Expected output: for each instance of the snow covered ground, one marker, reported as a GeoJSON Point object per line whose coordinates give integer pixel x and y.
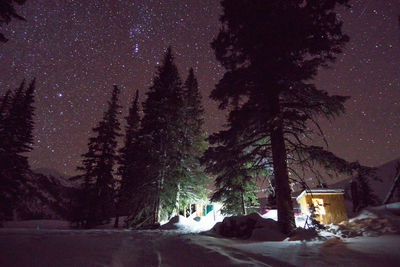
{"type": "Point", "coordinates": [31, 247]}
{"type": "Point", "coordinates": [50, 243]}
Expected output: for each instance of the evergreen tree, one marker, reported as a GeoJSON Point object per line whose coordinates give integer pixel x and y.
{"type": "Point", "coordinates": [8, 12]}
{"type": "Point", "coordinates": [237, 193]}
{"type": "Point", "coordinates": [5, 102]}
{"type": "Point", "coordinates": [354, 195]}
{"type": "Point", "coordinates": [366, 196]}
{"type": "Point", "coordinates": [129, 158]}
{"type": "Point", "coordinates": [26, 123]}
{"type": "Point", "coordinates": [98, 184]}
{"type": "Point", "coordinates": [236, 170]}
{"type": "Point", "coordinates": [192, 181]}
{"type": "Point", "coordinates": [161, 142]}
{"type": "Point", "coordinates": [194, 111]}
{"type": "Point", "coordinates": [16, 138]}
{"type": "Point", "coordinates": [272, 50]}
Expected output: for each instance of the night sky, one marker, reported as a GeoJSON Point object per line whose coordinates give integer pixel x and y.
{"type": "Point", "coordinates": [78, 49]}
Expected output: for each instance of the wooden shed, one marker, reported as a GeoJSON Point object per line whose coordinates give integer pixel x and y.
{"type": "Point", "coordinates": [328, 203]}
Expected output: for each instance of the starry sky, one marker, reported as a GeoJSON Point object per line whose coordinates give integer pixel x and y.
{"type": "Point", "coordinates": [78, 50]}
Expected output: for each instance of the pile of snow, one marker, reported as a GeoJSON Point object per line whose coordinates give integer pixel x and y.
{"type": "Point", "coordinates": [258, 227]}
{"type": "Point", "coordinates": [178, 223]}
{"type": "Point", "coordinates": [251, 226]}
{"type": "Point", "coordinates": [373, 221]}
{"type": "Point", "coordinates": [273, 214]}
{"type": "Point", "coordinates": [193, 225]}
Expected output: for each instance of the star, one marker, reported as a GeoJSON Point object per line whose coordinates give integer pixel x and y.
{"type": "Point", "coordinates": [78, 50]}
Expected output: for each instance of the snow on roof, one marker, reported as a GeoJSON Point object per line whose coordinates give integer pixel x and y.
{"type": "Point", "coordinates": [321, 191]}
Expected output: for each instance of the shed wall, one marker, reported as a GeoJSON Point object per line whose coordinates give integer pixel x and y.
{"type": "Point", "coordinates": [335, 211]}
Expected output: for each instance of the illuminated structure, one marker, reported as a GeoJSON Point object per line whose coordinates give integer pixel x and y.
{"type": "Point", "coordinates": [328, 204]}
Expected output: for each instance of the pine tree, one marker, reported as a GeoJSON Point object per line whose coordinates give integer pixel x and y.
{"type": "Point", "coordinates": [5, 103]}
{"type": "Point", "coordinates": [366, 196]}
{"type": "Point", "coordinates": [16, 138]}
{"type": "Point", "coordinates": [192, 181]}
{"type": "Point", "coordinates": [129, 159]}
{"type": "Point", "coordinates": [237, 193]}
{"type": "Point", "coordinates": [235, 169]}
{"type": "Point", "coordinates": [161, 141]}
{"type": "Point", "coordinates": [8, 12]}
{"type": "Point", "coordinates": [271, 51]}
{"type": "Point", "coordinates": [98, 184]}
{"type": "Point", "coordinates": [26, 118]}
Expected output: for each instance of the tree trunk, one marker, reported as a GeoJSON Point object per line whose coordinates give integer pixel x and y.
{"type": "Point", "coordinates": [283, 192]}
{"type": "Point", "coordinates": [160, 182]}
{"type": "Point", "coordinates": [177, 199]}
{"type": "Point", "coordinates": [116, 222]}
{"type": "Point", "coordinates": [243, 205]}
{"type": "Point", "coordinates": [159, 191]}
{"type": "Point", "coordinates": [157, 203]}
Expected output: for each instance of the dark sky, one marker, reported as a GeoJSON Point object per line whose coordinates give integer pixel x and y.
{"type": "Point", "coordinates": [78, 49]}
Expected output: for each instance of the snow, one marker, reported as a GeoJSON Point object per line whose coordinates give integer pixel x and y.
{"type": "Point", "coordinates": [37, 224]}
{"type": "Point", "coordinates": [334, 251]}
{"type": "Point", "coordinates": [372, 221]}
{"type": "Point", "coordinates": [273, 214]}
{"type": "Point", "coordinates": [195, 225]}
{"type": "Point", "coordinates": [51, 243]}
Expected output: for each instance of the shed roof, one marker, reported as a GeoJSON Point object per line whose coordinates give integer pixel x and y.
{"type": "Point", "coordinates": [320, 191]}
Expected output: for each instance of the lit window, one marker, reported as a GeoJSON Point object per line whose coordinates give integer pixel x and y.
{"type": "Point", "coordinates": [319, 206]}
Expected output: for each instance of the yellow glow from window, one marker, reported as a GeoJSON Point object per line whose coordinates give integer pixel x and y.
{"type": "Point", "coordinates": [319, 206]}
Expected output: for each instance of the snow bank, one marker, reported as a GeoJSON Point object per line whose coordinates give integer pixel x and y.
{"type": "Point", "coordinates": [252, 226]}
{"type": "Point", "coordinates": [273, 214]}
{"type": "Point", "coordinates": [195, 225]}
{"type": "Point", "coordinates": [177, 222]}
{"type": "Point", "coordinates": [373, 221]}
{"type": "Point", "coordinates": [37, 224]}
{"type": "Point", "coordinates": [256, 227]}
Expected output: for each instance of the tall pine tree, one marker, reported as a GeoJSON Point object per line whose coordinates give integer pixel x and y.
{"type": "Point", "coordinates": [96, 199]}
{"type": "Point", "coordinates": [272, 50]}
{"type": "Point", "coordinates": [366, 195]}
{"type": "Point", "coordinates": [161, 141]}
{"type": "Point", "coordinates": [16, 138]}
{"type": "Point", "coordinates": [192, 181]}
{"type": "Point", "coordinates": [129, 160]}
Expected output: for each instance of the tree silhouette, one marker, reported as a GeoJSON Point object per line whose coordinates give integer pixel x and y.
{"type": "Point", "coordinates": [96, 199]}
{"type": "Point", "coordinates": [16, 138]}
{"type": "Point", "coordinates": [161, 140]}
{"type": "Point", "coordinates": [129, 159]}
{"type": "Point", "coordinates": [7, 13]}
{"type": "Point", "coordinates": [272, 50]}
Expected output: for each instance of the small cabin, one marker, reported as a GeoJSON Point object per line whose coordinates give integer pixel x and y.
{"type": "Point", "coordinates": [328, 203]}
{"type": "Point", "coordinates": [201, 209]}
